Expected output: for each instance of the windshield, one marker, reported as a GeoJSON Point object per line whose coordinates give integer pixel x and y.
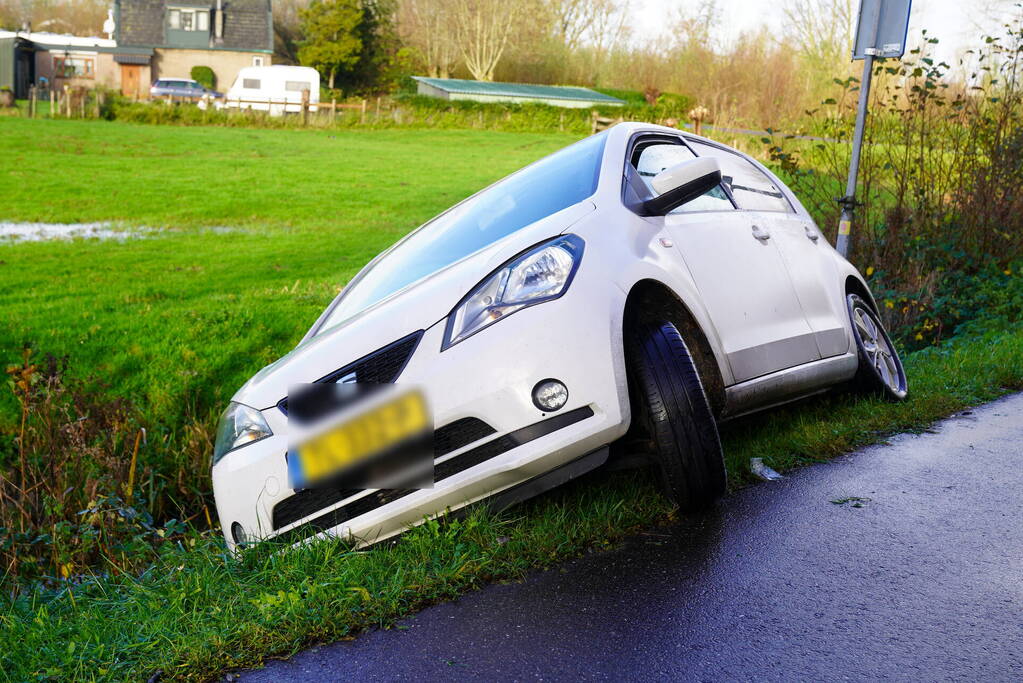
{"type": "Point", "coordinates": [566, 177]}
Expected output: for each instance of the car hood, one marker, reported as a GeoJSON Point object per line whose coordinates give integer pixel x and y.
{"type": "Point", "coordinates": [416, 307]}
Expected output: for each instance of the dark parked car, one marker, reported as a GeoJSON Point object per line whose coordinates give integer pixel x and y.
{"type": "Point", "coordinates": [181, 87]}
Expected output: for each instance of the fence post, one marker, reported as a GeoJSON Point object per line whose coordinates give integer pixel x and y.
{"type": "Point", "coordinates": [32, 101]}
{"type": "Point", "coordinates": [52, 102]}
{"type": "Point", "coordinates": [376, 116]}
{"type": "Point", "coordinates": [362, 114]}
{"type": "Point", "coordinates": [99, 102]}
{"type": "Point", "coordinates": [698, 114]}
{"type": "Point", "coordinates": [67, 100]}
{"type": "Point", "coordinates": [305, 107]}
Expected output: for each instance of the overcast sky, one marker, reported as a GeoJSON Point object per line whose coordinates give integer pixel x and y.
{"type": "Point", "coordinates": [957, 23]}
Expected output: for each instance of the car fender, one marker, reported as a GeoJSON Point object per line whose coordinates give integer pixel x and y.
{"type": "Point", "coordinates": [638, 255]}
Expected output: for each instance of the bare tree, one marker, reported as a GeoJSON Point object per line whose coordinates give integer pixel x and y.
{"type": "Point", "coordinates": [608, 29]}
{"type": "Point", "coordinates": [79, 17]}
{"type": "Point", "coordinates": [287, 30]}
{"type": "Point", "coordinates": [483, 28]}
{"type": "Point", "coordinates": [429, 27]}
{"type": "Point", "coordinates": [821, 29]}
{"type": "Point", "coordinates": [577, 21]}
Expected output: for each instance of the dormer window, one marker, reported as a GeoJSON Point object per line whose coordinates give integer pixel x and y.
{"type": "Point", "coordinates": [187, 19]}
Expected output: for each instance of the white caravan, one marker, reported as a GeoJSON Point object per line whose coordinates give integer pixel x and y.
{"type": "Point", "coordinates": [277, 89]}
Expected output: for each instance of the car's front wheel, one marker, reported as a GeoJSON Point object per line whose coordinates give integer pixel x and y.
{"type": "Point", "coordinates": [880, 370]}
{"type": "Point", "coordinates": [671, 411]}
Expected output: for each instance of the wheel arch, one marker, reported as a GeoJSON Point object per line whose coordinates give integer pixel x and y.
{"type": "Point", "coordinates": [854, 285]}
{"type": "Point", "coordinates": [650, 300]}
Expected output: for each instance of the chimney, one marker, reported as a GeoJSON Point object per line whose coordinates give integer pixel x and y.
{"type": "Point", "coordinates": [218, 24]}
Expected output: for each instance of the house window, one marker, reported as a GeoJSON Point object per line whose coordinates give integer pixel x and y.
{"type": "Point", "coordinates": [182, 19]}
{"type": "Point", "coordinates": [73, 67]}
{"type": "Point", "coordinates": [257, 61]}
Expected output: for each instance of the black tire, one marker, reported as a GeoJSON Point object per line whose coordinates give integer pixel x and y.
{"type": "Point", "coordinates": [671, 410]}
{"type": "Point", "coordinates": [880, 370]}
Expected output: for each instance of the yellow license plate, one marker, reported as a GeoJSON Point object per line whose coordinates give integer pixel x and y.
{"type": "Point", "coordinates": [366, 435]}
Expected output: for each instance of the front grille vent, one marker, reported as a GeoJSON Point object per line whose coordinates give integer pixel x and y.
{"type": "Point", "coordinates": [451, 437]}
{"type": "Point", "coordinates": [383, 366]}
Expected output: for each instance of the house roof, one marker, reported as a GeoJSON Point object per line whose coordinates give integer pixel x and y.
{"type": "Point", "coordinates": [522, 90]}
{"type": "Point", "coordinates": [59, 39]}
{"type": "Point", "coordinates": [248, 24]}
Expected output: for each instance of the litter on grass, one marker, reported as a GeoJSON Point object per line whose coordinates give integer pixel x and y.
{"type": "Point", "coordinates": [762, 471]}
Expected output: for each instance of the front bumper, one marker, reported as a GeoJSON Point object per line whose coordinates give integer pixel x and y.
{"type": "Point", "coordinates": [487, 379]}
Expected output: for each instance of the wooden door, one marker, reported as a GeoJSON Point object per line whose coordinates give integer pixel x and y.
{"type": "Point", "coordinates": [131, 74]}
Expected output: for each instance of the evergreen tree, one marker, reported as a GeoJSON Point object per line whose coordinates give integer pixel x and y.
{"type": "Point", "coordinates": [333, 42]}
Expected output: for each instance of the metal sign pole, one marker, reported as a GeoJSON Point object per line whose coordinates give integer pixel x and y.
{"type": "Point", "coordinates": [880, 33]}
{"type": "Point", "coordinates": [848, 202]}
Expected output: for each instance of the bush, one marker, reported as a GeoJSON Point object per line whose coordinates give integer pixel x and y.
{"type": "Point", "coordinates": [205, 76]}
{"type": "Point", "coordinates": [940, 191]}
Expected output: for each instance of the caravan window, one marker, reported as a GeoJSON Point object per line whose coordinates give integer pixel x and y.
{"type": "Point", "coordinates": [297, 86]}
{"type": "Point", "coordinates": [250, 83]}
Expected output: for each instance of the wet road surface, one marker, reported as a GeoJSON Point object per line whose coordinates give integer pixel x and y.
{"type": "Point", "coordinates": [918, 575]}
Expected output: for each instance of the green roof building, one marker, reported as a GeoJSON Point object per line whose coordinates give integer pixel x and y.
{"type": "Point", "coordinates": [483, 91]}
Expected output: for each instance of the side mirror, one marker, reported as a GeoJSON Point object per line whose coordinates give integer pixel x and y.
{"type": "Point", "coordinates": [682, 183]}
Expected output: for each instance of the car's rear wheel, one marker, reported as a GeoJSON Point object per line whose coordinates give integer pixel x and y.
{"type": "Point", "coordinates": [880, 370]}
{"type": "Point", "coordinates": [671, 412]}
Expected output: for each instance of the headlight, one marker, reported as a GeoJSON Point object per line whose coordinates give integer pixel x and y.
{"type": "Point", "coordinates": [239, 425]}
{"type": "Point", "coordinates": [540, 274]}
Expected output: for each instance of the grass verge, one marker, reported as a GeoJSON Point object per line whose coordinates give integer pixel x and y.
{"type": "Point", "coordinates": [198, 612]}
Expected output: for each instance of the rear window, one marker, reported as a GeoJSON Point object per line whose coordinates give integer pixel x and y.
{"type": "Point", "coordinates": [297, 86]}
{"type": "Point", "coordinates": [250, 83]}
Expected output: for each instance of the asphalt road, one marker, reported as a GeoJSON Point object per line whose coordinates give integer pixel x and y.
{"type": "Point", "coordinates": [922, 579]}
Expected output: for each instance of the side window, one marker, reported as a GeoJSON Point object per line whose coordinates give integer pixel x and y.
{"type": "Point", "coordinates": [250, 83]}
{"type": "Point", "coordinates": [654, 158]}
{"type": "Point", "coordinates": [752, 190]}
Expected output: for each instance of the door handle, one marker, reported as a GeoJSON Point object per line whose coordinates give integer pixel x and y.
{"type": "Point", "coordinates": [761, 234]}
{"type": "Point", "coordinates": [811, 234]}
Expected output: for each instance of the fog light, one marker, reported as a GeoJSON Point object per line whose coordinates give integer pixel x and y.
{"type": "Point", "coordinates": [238, 533]}
{"type": "Point", "coordinates": [549, 395]}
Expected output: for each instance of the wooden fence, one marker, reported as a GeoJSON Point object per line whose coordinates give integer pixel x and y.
{"type": "Point", "coordinates": [304, 107]}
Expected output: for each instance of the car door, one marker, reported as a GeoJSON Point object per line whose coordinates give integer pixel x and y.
{"type": "Point", "coordinates": [739, 273]}
{"type": "Point", "coordinates": [810, 268]}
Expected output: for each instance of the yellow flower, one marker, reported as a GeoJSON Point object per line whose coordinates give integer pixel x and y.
{"type": "Point", "coordinates": [870, 270]}
{"type": "Point", "coordinates": [1007, 271]}
{"type": "Point", "coordinates": [888, 303]}
{"type": "Point", "coordinates": [919, 336]}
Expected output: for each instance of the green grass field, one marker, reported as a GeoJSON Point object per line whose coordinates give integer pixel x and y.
{"type": "Point", "coordinates": [255, 231]}
{"type": "Point", "coordinates": [252, 233]}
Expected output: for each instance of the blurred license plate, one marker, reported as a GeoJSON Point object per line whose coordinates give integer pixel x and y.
{"type": "Point", "coordinates": [351, 444]}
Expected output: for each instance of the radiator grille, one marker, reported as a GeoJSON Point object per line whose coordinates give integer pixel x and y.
{"type": "Point", "coordinates": [383, 366]}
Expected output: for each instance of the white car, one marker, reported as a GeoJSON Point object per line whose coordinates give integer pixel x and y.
{"type": "Point", "coordinates": [622, 295]}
